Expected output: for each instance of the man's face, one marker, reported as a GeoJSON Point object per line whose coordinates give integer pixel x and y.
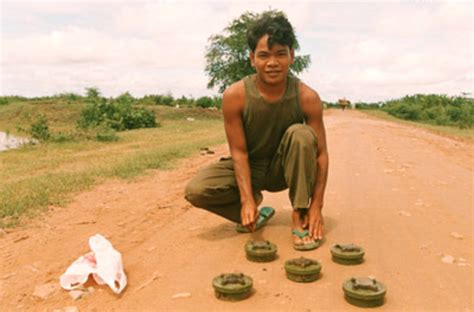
{"type": "Point", "coordinates": [272, 65]}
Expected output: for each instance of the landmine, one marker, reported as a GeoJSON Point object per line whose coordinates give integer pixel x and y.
{"type": "Point", "coordinates": [302, 270]}
{"type": "Point", "coordinates": [260, 251]}
{"type": "Point", "coordinates": [232, 286]}
{"type": "Point", "coordinates": [364, 292]}
{"type": "Point", "coordinates": [347, 254]}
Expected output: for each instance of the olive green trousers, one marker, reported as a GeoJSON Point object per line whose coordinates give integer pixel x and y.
{"type": "Point", "coordinates": [215, 188]}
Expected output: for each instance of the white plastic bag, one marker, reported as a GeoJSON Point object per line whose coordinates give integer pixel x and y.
{"type": "Point", "coordinates": [103, 262]}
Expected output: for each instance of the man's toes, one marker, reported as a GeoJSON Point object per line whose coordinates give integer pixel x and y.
{"type": "Point", "coordinates": [297, 240]}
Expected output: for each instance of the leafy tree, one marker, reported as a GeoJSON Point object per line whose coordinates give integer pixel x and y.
{"type": "Point", "coordinates": [92, 93]}
{"type": "Point", "coordinates": [227, 56]}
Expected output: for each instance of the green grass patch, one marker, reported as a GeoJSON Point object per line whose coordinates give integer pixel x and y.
{"type": "Point", "coordinates": [452, 131]}
{"type": "Point", "coordinates": [37, 176]}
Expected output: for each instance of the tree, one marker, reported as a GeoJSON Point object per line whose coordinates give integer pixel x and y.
{"type": "Point", "coordinates": [92, 93]}
{"type": "Point", "coordinates": [227, 56]}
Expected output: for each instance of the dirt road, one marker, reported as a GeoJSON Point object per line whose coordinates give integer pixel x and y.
{"type": "Point", "coordinates": [402, 193]}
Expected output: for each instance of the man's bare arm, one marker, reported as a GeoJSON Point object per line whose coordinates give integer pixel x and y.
{"type": "Point", "coordinates": [233, 102]}
{"type": "Point", "coordinates": [313, 110]}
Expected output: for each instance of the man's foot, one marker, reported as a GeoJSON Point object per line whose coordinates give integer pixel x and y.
{"type": "Point", "coordinates": [301, 238]}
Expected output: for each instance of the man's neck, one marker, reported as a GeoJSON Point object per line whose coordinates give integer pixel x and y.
{"type": "Point", "coordinates": [270, 92]}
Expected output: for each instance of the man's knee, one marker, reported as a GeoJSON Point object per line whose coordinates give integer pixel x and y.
{"type": "Point", "coordinates": [193, 192]}
{"type": "Point", "coordinates": [302, 134]}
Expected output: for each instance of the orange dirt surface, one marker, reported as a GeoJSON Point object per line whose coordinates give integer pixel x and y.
{"type": "Point", "coordinates": [402, 193]}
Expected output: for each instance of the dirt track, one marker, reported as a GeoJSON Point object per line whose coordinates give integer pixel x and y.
{"type": "Point", "coordinates": [398, 191]}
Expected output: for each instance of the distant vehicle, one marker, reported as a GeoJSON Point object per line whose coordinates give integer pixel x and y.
{"type": "Point", "coordinates": [344, 103]}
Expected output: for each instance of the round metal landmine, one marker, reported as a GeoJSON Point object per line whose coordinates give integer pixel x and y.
{"type": "Point", "coordinates": [260, 251]}
{"type": "Point", "coordinates": [364, 292]}
{"type": "Point", "coordinates": [232, 286]}
{"type": "Point", "coordinates": [302, 270]}
{"type": "Point", "coordinates": [347, 254]}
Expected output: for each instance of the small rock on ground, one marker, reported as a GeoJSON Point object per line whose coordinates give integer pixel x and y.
{"type": "Point", "coordinates": [43, 292]}
{"type": "Point", "coordinates": [456, 235]}
{"type": "Point", "coordinates": [76, 294]}
{"type": "Point", "coordinates": [181, 295]}
{"type": "Point", "coordinates": [448, 259]}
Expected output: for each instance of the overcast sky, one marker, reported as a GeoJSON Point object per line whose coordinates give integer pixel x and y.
{"type": "Point", "coordinates": [365, 51]}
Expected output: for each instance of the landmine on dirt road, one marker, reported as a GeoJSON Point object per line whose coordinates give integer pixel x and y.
{"type": "Point", "coordinates": [302, 270]}
{"type": "Point", "coordinates": [347, 254]}
{"type": "Point", "coordinates": [364, 292]}
{"type": "Point", "coordinates": [232, 286]}
{"type": "Point", "coordinates": [260, 251]}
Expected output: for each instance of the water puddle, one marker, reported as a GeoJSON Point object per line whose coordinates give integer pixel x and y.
{"type": "Point", "coordinates": [8, 141]}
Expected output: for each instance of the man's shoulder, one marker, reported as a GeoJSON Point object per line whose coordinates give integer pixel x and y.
{"type": "Point", "coordinates": [233, 98]}
{"type": "Point", "coordinates": [235, 90]}
{"type": "Point", "coordinates": [307, 94]}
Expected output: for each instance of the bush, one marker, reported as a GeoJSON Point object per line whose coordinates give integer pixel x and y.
{"type": "Point", "coordinates": [69, 96]}
{"type": "Point", "coordinates": [330, 105]}
{"type": "Point", "coordinates": [467, 115]}
{"type": "Point", "coordinates": [139, 118]}
{"type": "Point", "coordinates": [93, 114]}
{"type": "Point", "coordinates": [404, 111]}
{"type": "Point", "coordinates": [217, 101]}
{"type": "Point", "coordinates": [167, 100]}
{"type": "Point", "coordinates": [361, 105]}
{"type": "Point", "coordinates": [184, 101]}
{"type": "Point", "coordinates": [125, 98]}
{"type": "Point", "coordinates": [434, 109]}
{"type": "Point", "coordinates": [117, 114]}
{"type": "Point", "coordinates": [39, 129]}
{"type": "Point", "coordinates": [4, 100]}
{"type": "Point", "coordinates": [205, 102]}
{"type": "Point", "coordinates": [454, 113]}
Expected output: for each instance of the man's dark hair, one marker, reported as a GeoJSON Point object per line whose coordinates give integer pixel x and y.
{"type": "Point", "coordinates": [276, 26]}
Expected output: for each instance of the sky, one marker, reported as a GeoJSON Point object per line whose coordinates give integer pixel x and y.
{"type": "Point", "coordinates": [367, 51]}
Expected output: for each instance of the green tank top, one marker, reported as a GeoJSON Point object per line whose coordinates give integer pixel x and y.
{"type": "Point", "coordinates": [266, 122]}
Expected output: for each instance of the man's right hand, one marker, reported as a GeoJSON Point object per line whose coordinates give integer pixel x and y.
{"type": "Point", "coordinates": [249, 215]}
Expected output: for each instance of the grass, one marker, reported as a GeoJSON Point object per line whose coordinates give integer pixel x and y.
{"type": "Point", "coordinates": [463, 134]}
{"type": "Point", "coordinates": [61, 114]}
{"type": "Point", "coordinates": [35, 177]}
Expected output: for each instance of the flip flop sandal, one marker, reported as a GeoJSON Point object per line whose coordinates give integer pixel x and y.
{"type": "Point", "coordinates": [264, 214]}
{"type": "Point", "coordinates": [303, 247]}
